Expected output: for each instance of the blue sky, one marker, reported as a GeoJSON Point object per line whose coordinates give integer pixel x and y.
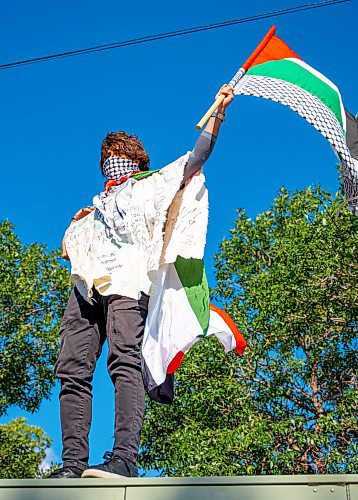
{"type": "Point", "coordinates": [54, 116]}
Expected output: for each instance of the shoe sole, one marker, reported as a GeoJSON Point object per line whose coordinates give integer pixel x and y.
{"type": "Point", "coordinates": [99, 473]}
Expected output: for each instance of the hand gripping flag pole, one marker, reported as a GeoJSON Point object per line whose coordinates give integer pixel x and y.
{"type": "Point", "coordinates": [238, 75]}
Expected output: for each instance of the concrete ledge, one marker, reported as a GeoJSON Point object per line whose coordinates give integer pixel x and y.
{"type": "Point", "coordinates": [310, 487]}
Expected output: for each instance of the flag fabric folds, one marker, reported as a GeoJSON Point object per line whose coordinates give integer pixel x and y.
{"type": "Point", "coordinates": [280, 75]}
{"type": "Point", "coordinates": [180, 314]}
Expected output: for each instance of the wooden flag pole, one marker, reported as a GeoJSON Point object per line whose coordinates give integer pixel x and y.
{"type": "Point", "coordinates": [238, 75]}
{"type": "Point", "coordinates": [209, 112]}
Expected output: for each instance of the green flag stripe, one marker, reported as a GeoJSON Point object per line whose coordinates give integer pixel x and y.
{"type": "Point", "coordinates": [192, 275]}
{"type": "Point", "coordinates": [302, 77]}
{"type": "Point", "coordinates": [145, 173]}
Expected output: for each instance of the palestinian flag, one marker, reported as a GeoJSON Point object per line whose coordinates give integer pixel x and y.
{"type": "Point", "coordinates": [279, 74]}
{"type": "Point", "coordinates": [180, 314]}
{"type": "Point", "coordinates": [204, 318]}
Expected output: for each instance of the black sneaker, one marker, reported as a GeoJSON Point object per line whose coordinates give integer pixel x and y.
{"type": "Point", "coordinates": [66, 473]}
{"type": "Point", "coordinates": [112, 467]}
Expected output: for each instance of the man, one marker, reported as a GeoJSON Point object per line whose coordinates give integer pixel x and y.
{"type": "Point", "coordinates": [114, 308]}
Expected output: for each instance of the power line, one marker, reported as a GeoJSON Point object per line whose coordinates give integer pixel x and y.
{"type": "Point", "coordinates": [172, 34]}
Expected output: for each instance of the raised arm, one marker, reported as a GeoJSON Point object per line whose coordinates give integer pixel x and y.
{"type": "Point", "coordinates": [205, 143]}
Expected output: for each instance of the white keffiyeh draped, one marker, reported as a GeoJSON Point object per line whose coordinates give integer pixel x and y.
{"type": "Point", "coordinates": [118, 247]}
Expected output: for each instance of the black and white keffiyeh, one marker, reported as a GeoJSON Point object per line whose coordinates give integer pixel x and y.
{"type": "Point", "coordinates": [116, 167]}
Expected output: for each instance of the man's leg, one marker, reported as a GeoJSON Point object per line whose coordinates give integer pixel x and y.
{"type": "Point", "coordinates": [82, 336]}
{"type": "Point", "coordinates": [125, 327]}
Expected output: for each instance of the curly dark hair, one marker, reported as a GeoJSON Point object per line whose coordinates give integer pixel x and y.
{"type": "Point", "coordinates": [125, 145]}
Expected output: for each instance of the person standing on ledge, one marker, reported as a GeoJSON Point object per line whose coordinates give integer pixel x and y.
{"type": "Point", "coordinates": [118, 316]}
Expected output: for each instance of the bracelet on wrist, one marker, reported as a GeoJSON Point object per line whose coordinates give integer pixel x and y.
{"type": "Point", "coordinates": [220, 116]}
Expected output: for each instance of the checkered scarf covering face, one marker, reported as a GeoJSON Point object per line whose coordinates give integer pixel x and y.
{"type": "Point", "coordinates": [116, 167]}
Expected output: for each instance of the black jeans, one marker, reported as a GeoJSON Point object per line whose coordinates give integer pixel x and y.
{"type": "Point", "coordinates": [84, 330]}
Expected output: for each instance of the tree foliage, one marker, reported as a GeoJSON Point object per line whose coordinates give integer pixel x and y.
{"type": "Point", "coordinates": [33, 293]}
{"type": "Point", "coordinates": [287, 406]}
{"type": "Point", "coordinates": [22, 449]}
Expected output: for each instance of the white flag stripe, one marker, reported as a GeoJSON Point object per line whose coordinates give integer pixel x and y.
{"type": "Point", "coordinates": [219, 328]}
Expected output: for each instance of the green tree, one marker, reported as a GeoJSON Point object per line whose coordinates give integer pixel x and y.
{"type": "Point", "coordinates": [22, 449]}
{"type": "Point", "coordinates": [290, 281]}
{"type": "Point", "coordinates": [33, 293]}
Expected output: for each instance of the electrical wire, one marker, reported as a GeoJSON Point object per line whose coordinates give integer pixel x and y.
{"type": "Point", "coordinates": [172, 34]}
